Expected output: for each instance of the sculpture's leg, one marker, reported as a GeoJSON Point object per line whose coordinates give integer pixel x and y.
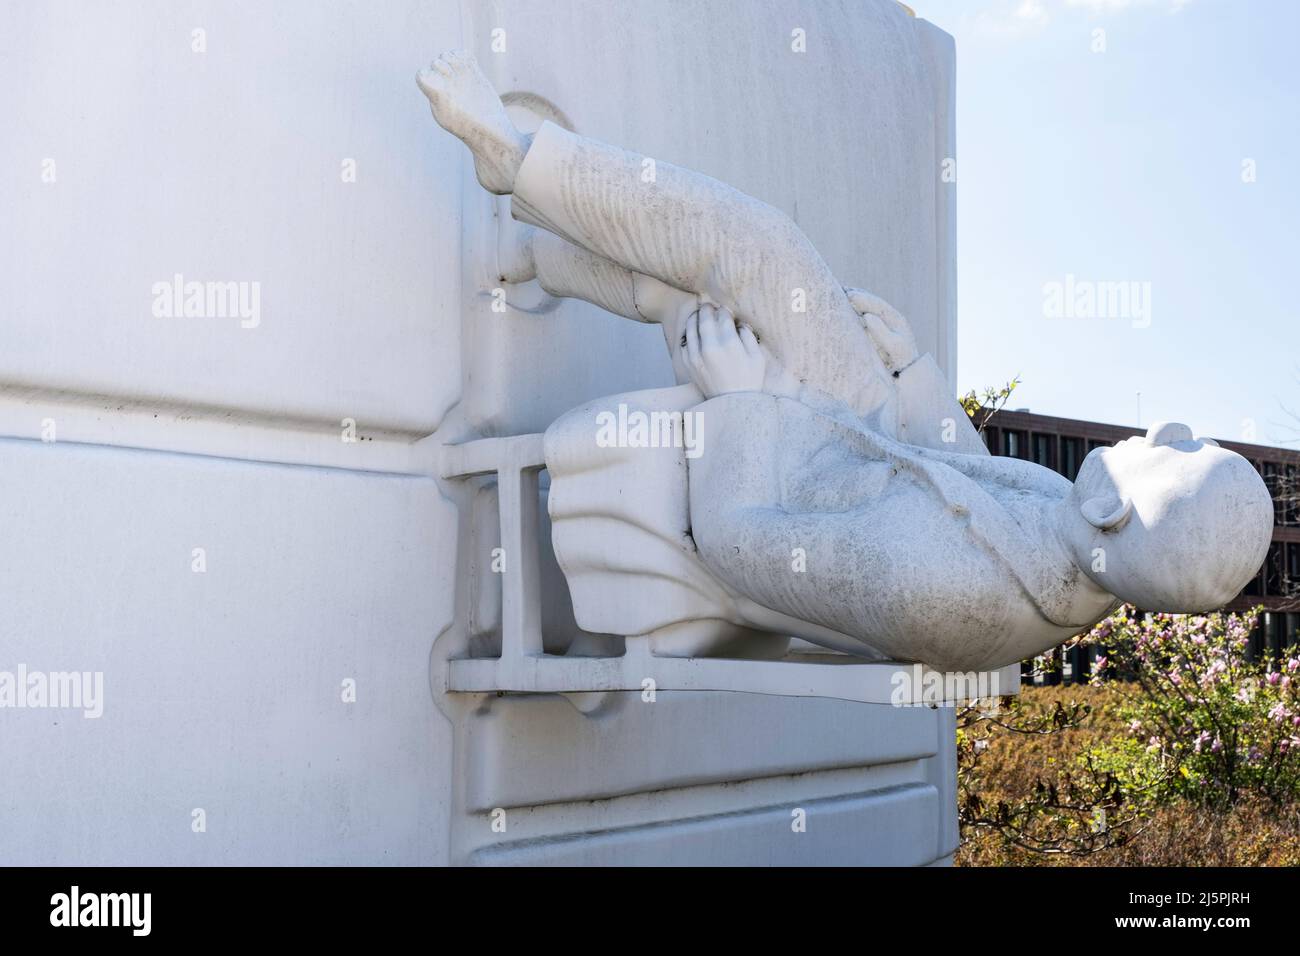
{"type": "Point", "coordinates": [676, 225]}
{"type": "Point", "coordinates": [465, 104]}
{"type": "Point", "coordinates": [568, 271]}
{"type": "Point", "coordinates": [571, 272]}
{"type": "Point", "coordinates": [683, 229]}
{"type": "Point", "coordinates": [695, 234]}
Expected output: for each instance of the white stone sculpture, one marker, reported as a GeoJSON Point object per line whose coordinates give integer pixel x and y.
{"type": "Point", "coordinates": [835, 491]}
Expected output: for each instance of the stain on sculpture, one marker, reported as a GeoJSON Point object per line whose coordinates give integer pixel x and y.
{"type": "Point", "coordinates": [840, 493]}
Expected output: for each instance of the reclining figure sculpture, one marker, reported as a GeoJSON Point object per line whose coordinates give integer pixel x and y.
{"type": "Point", "coordinates": [840, 493]}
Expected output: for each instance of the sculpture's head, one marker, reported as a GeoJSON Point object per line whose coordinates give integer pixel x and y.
{"type": "Point", "coordinates": [1169, 522]}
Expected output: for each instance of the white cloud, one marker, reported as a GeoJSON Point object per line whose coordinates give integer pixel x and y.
{"type": "Point", "coordinates": [1100, 6]}
{"type": "Point", "coordinates": [1013, 18]}
{"type": "Point", "coordinates": [1115, 6]}
{"type": "Point", "coordinates": [1031, 11]}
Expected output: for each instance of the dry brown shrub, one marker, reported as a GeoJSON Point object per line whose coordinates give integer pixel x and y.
{"type": "Point", "coordinates": [1178, 834]}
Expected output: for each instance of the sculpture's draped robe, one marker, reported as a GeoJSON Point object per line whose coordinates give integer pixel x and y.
{"type": "Point", "coordinates": [898, 541]}
{"type": "Point", "coordinates": [912, 551]}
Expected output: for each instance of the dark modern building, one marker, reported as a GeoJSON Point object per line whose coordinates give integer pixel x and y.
{"type": "Point", "coordinates": [1062, 443]}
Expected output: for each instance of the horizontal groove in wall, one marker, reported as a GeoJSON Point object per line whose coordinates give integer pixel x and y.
{"type": "Point", "coordinates": [527, 750]}
{"type": "Point", "coordinates": [53, 417]}
{"type": "Point", "coordinates": [890, 827]}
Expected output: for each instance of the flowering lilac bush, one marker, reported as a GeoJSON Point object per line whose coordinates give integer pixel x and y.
{"type": "Point", "coordinates": [1204, 721]}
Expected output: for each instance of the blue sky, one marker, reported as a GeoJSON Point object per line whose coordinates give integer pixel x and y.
{"type": "Point", "coordinates": [1127, 166]}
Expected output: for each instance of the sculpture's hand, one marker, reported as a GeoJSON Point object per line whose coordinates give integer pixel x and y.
{"type": "Point", "coordinates": [720, 357]}
{"type": "Point", "coordinates": [891, 333]}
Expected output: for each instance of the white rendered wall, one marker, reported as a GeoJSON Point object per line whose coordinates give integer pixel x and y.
{"type": "Point", "coordinates": [328, 560]}
{"type": "Point", "coordinates": [223, 690]}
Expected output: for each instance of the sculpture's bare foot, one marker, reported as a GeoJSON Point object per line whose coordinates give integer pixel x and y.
{"type": "Point", "coordinates": [465, 105]}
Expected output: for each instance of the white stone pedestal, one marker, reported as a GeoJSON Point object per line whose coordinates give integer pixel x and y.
{"type": "Point", "coordinates": [711, 779]}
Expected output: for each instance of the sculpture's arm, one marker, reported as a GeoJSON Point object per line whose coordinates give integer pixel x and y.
{"type": "Point", "coordinates": [931, 416]}
{"type": "Point", "coordinates": [928, 413]}
{"type": "Point", "coordinates": [748, 525]}
{"type": "Point", "coordinates": [811, 565]}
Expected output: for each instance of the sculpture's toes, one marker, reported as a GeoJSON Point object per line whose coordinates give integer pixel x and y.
{"type": "Point", "coordinates": [459, 61]}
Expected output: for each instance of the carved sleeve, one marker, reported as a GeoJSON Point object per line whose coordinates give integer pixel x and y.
{"type": "Point", "coordinates": [928, 413]}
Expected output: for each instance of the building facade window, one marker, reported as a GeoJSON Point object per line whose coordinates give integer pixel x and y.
{"type": "Point", "coordinates": [1043, 449]}
{"type": "Point", "coordinates": [1013, 443]}
{"type": "Point", "coordinates": [1071, 457]}
{"type": "Point", "coordinates": [1271, 482]}
{"type": "Point", "coordinates": [1287, 492]}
